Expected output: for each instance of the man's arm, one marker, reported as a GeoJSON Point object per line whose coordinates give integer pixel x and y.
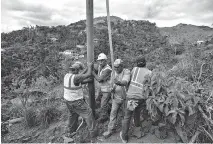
{"type": "Point", "coordinates": [125, 80]}
{"type": "Point", "coordinates": [95, 76]}
{"type": "Point", "coordinates": [87, 80]}
{"type": "Point", "coordinates": [104, 76]}
{"type": "Point", "coordinates": [79, 78]}
{"type": "Point", "coordinates": [84, 71]}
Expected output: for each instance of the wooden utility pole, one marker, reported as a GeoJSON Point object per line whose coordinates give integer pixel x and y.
{"type": "Point", "coordinates": [90, 49]}
{"type": "Point", "coordinates": [110, 37]}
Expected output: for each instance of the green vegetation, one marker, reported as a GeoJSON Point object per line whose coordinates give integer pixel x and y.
{"type": "Point", "coordinates": [178, 92]}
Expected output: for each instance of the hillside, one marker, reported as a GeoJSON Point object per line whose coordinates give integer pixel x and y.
{"type": "Point", "coordinates": [179, 92]}
{"type": "Point", "coordinates": [186, 33]}
{"type": "Point", "coordinates": [30, 48]}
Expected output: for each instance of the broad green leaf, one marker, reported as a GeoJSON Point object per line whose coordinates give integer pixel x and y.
{"type": "Point", "coordinates": [146, 94]}
{"type": "Point", "coordinates": [172, 111]}
{"type": "Point", "coordinates": [189, 102]}
{"type": "Point", "coordinates": [153, 80]}
{"type": "Point", "coordinates": [182, 105]}
{"type": "Point", "coordinates": [181, 95]}
{"type": "Point", "coordinates": [170, 81]}
{"type": "Point", "coordinates": [161, 99]}
{"type": "Point", "coordinates": [196, 100]}
{"type": "Point", "coordinates": [174, 117]}
{"type": "Point", "coordinates": [161, 107]}
{"type": "Point", "coordinates": [180, 111]}
{"type": "Point", "coordinates": [182, 119]}
{"type": "Point", "coordinates": [175, 102]}
{"type": "Point", "coordinates": [191, 111]}
{"type": "Point", "coordinates": [182, 134]}
{"type": "Point", "coordinates": [156, 103]}
{"type": "Point", "coordinates": [167, 101]}
{"type": "Point", "coordinates": [158, 89]}
{"type": "Point", "coordinates": [166, 110]}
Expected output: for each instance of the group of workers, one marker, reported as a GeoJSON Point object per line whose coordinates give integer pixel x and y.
{"type": "Point", "coordinates": [124, 87]}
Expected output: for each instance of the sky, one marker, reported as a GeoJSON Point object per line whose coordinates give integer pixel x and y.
{"type": "Point", "coordinates": [16, 14]}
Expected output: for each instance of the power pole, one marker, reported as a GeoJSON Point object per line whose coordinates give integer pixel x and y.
{"type": "Point", "coordinates": [110, 37]}
{"type": "Point", "coordinates": [90, 50]}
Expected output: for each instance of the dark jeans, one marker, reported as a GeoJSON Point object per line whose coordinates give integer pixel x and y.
{"type": "Point", "coordinates": [80, 108]}
{"type": "Point", "coordinates": [127, 118]}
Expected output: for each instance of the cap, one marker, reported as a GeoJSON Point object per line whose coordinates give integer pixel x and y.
{"type": "Point", "coordinates": [141, 60]}
{"type": "Point", "coordinates": [118, 62]}
{"type": "Point", "coordinates": [77, 65]}
{"type": "Point", "coordinates": [102, 56]}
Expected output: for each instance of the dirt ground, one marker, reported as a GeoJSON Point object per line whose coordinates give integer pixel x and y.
{"type": "Point", "coordinates": [55, 132]}
{"type": "Point", "coordinates": [18, 133]}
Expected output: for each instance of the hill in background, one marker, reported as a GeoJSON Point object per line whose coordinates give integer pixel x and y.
{"type": "Point", "coordinates": [34, 51]}
{"type": "Point", "coordinates": [32, 68]}
{"type": "Point", "coordinates": [187, 33]}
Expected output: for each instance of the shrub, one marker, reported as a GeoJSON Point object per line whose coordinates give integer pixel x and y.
{"type": "Point", "coordinates": [49, 114]}
{"type": "Point", "coordinates": [30, 117]}
{"type": "Point", "coordinates": [177, 100]}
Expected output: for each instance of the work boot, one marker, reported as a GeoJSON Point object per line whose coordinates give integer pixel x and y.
{"type": "Point", "coordinates": [123, 140]}
{"type": "Point", "coordinates": [107, 134]}
{"type": "Point", "coordinates": [137, 132]}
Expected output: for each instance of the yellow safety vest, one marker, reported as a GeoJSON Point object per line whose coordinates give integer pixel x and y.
{"type": "Point", "coordinates": [135, 90]}
{"type": "Point", "coordinates": [106, 85]}
{"type": "Point", "coordinates": [71, 91]}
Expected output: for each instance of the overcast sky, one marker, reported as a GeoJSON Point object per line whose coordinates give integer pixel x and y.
{"type": "Point", "coordinates": [16, 14]}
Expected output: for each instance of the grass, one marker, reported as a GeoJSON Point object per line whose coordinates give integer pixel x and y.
{"type": "Point", "coordinates": [30, 117]}
{"type": "Point", "coordinates": [49, 114]}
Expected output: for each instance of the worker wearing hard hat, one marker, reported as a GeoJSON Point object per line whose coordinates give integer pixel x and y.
{"type": "Point", "coordinates": [120, 83]}
{"type": "Point", "coordinates": [73, 95]}
{"type": "Point", "coordinates": [103, 77]}
{"type": "Point", "coordinates": [135, 98]}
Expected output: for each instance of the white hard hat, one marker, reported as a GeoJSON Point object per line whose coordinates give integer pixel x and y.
{"type": "Point", "coordinates": [118, 62]}
{"type": "Point", "coordinates": [102, 56]}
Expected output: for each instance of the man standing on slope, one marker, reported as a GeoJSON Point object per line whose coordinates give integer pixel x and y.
{"type": "Point", "coordinates": [73, 95]}
{"type": "Point", "coordinates": [135, 97]}
{"type": "Point", "coordinates": [122, 78]}
{"type": "Point", "coordinates": [103, 77]}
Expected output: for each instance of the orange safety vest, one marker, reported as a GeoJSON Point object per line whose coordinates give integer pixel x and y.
{"type": "Point", "coordinates": [135, 90]}
{"type": "Point", "coordinates": [71, 91]}
{"type": "Point", "coordinates": [106, 85]}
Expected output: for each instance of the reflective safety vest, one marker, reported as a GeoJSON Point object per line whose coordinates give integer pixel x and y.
{"type": "Point", "coordinates": [120, 91]}
{"type": "Point", "coordinates": [135, 90]}
{"type": "Point", "coordinates": [106, 85]}
{"type": "Point", "coordinates": [71, 91]}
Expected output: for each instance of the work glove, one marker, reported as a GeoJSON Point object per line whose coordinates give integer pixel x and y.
{"type": "Point", "coordinates": [132, 104]}
{"type": "Point", "coordinates": [117, 82]}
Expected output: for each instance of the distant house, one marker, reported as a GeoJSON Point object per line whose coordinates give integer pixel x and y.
{"type": "Point", "coordinates": [200, 42]}
{"type": "Point", "coordinates": [80, 46]}
{"type": "Point", "coordinates": [70, 53]}
{"type": "Point", "coordinates": [95, 40]}
{"type": "Point", "coordinates": [82, 49]}
{"type": "Point", "coordinates": [53, 39]}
